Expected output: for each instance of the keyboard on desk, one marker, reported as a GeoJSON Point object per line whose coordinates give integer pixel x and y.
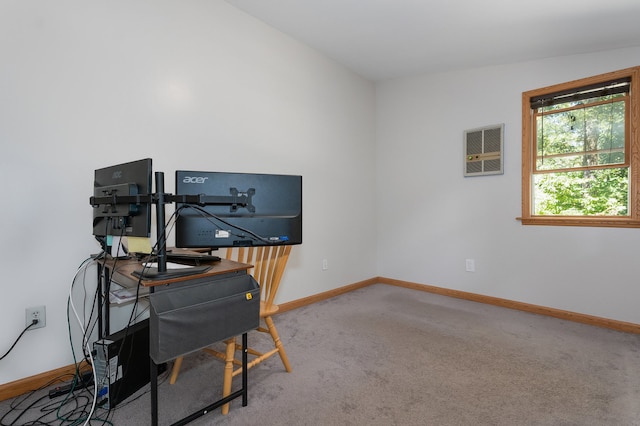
{"type": "Point", "coordinates": [191, 258]}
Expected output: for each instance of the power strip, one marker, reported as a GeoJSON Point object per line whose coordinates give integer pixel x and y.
{"type": "Point", "coordinates": [85, 380]}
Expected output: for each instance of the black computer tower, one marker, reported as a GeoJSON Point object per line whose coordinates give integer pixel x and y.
{"type": "Point", "coordinates": [121, 363]}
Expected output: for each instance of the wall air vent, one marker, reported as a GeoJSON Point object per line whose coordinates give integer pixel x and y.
{"type": "Point", "coordinates": [483, 151]}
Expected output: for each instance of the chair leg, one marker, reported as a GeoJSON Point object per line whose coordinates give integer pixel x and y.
{"type": "Point", "coordinates": [175, 370]}
{"type": "Point", "coordinates": [228, 371]}
{"type": "Point", "coordinates": [276, 339]}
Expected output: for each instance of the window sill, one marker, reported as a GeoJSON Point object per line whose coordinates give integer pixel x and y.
{"type": "Point", "coordinates": [607, 222]}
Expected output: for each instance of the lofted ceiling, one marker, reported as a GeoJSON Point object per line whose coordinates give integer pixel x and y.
{"type": "Point", "coordinates": [384, 39]}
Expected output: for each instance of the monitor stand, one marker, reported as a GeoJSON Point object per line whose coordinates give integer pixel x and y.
{"type": "Point", "coordinates": [149, 273]}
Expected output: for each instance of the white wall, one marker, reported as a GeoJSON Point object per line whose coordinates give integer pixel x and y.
{"type": "Point", "coordinates": [431, 218]}
{"type": "Point", "coordinates": [193, 85]}
{"type": "Point", "coordinates": [199, 85]}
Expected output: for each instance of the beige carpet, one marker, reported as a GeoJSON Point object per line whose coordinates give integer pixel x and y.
{"type": "Point", "coordinates": [386, 355]}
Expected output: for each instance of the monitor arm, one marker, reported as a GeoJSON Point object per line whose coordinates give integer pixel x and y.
{"type": "Point", "coordinates": [236, 200]}
{"type": "Point", "coordinates": [118, 195]}
{"type": "Point", "coordinates": [109, 197]}
{"type": "Point", "coordinates": [112, 197]}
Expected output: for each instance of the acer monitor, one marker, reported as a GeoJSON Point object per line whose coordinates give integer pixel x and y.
{"type": "Point", "coordinates": [121, 199]}
{"type": "Point", "coordinates": [237, 209]}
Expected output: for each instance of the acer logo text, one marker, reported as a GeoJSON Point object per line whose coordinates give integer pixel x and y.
{"type": "Point", "coordinates": [194, 179]}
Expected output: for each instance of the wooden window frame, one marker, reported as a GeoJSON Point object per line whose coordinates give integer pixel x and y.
{"type": "Point", "coordinates": [632, 220]}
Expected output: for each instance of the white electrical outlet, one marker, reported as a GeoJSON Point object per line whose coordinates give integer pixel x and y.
{"type": "Point", "coordinates": [471, 265]}
{"type": "Point", "coordinates": [37, 313]}
{"type": "Point", "coordinates": [325, 264]}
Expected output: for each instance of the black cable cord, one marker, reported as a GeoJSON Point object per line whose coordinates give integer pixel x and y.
{"type": "Point", "coordinates": [79, 413]}
{"type": "Point", "coordinates": [77, 405]}
{"type": "Point", "coordinates": [208, 216]}
{"type": "Point", "coordinates": [132, 318]}
{"type": "Point", "coordinates": [73, 409]}
{"type": "Point", "coordinates": [21, 406]}
{"type": "Point", "coordinates": [91, 323]}
{"type": "Point", "coordinates": [20, 412]}
{"type": "Point", "coordinates": [33, 322]}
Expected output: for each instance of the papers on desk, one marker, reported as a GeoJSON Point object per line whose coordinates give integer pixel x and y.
{"type": "Point", "coordinates": [123, 295]}
{"type": "Point", "coordinates": [170, 265]}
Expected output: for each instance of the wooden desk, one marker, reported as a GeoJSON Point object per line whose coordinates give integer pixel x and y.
{"type": "Point", "coordinates": [123, 272]}
{"type": "Point", "coordinates": [192, 312]}
{"type": "Point", "coordinates": [120, 271]}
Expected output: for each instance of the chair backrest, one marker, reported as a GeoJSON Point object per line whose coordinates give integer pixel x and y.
{"type": "Point", "coordinates": [268, 263]}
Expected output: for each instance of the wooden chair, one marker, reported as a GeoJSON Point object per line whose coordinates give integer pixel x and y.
{"type": "Point", "coordinates": [268, 267]}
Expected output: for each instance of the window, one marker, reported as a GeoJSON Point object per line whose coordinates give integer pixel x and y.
{"type": "Point", "coordinates": [580, 152]}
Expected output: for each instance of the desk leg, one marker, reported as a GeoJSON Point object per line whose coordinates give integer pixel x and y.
{"type": "Point", "coordinates": [244, 369]}
{"type": "Point", "coordinates": [154, 393]}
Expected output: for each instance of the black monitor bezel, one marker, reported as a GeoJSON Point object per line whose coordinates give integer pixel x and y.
{"type": "Point", "coordinates": [250, 218]}
{"type": "Point", "coordinates": [123, 219]}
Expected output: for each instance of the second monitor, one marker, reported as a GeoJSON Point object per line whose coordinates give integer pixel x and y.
{"type": "Point", "coordinates": [238, 209]}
